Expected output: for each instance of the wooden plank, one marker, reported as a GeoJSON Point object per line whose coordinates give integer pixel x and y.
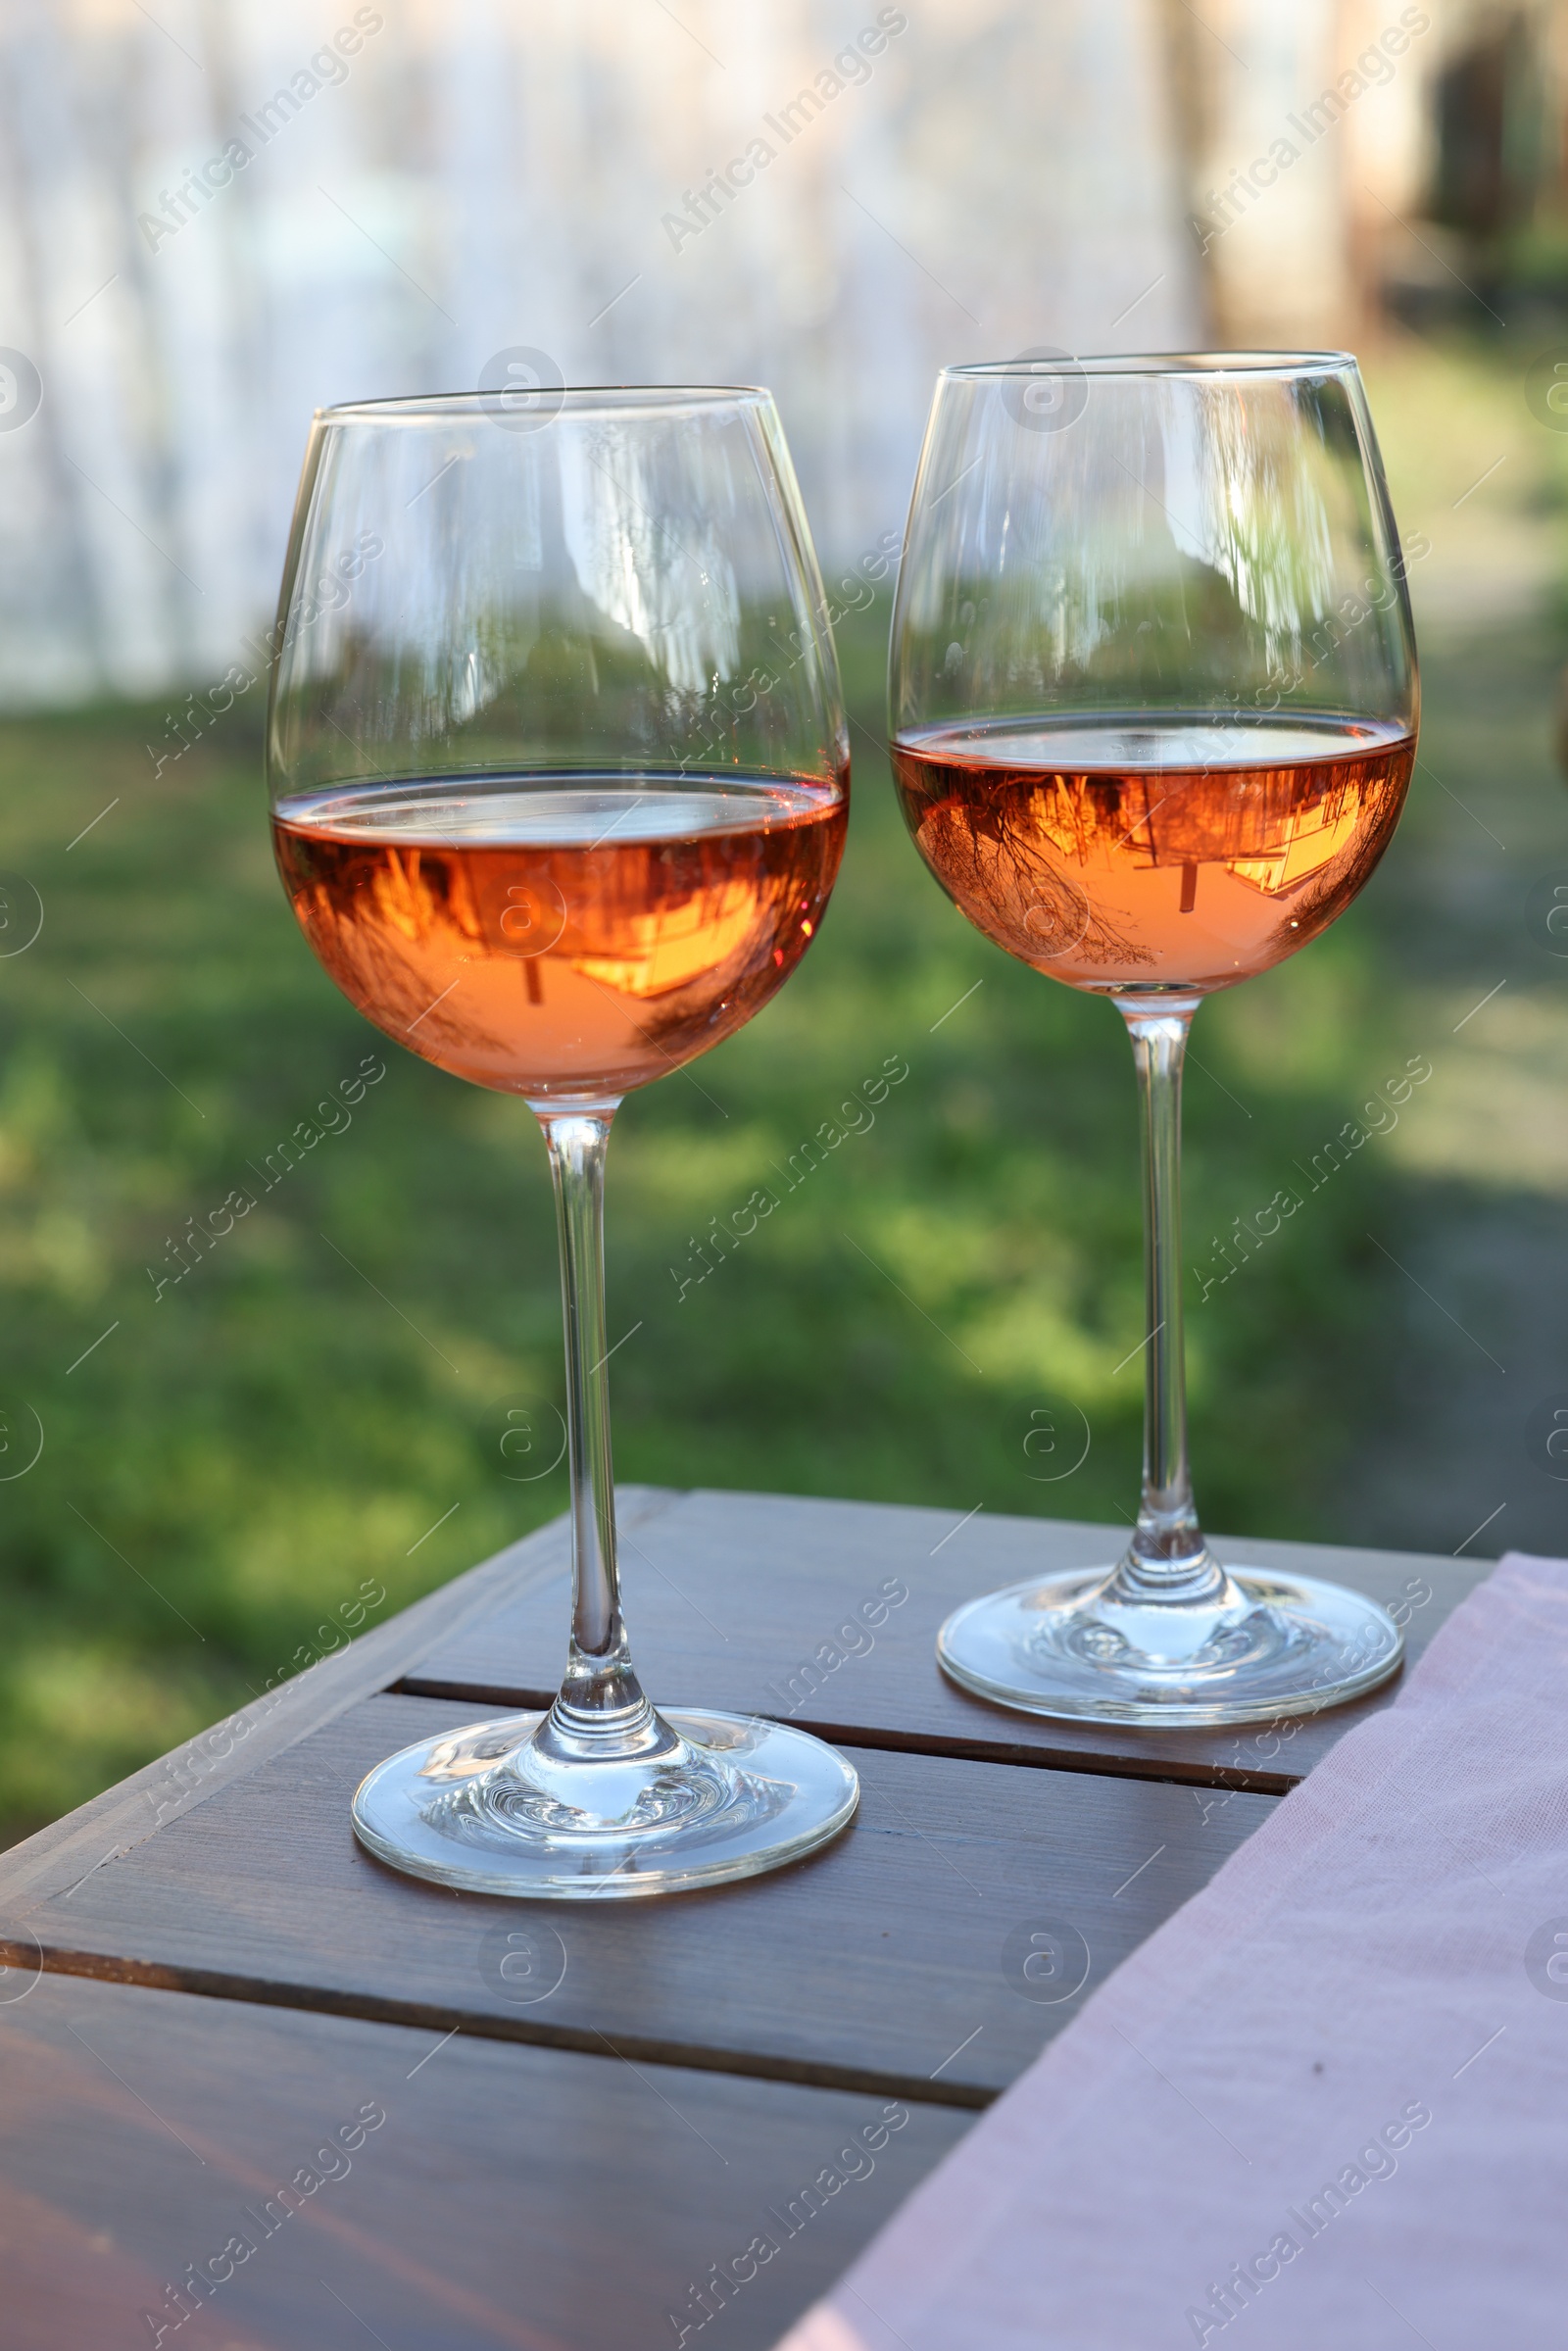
{"type": "Point", "coordinates": [529, 2198]}
{"type": "Point", "coordinates": [744, 1600]}
{"type": "Point", "coordinates": [893, 1962]}
{"type": "Point", "coordinates": [133, 1811]}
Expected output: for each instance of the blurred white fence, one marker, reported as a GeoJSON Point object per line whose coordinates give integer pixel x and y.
{"type": "Point", "coordinates": [216, 215]}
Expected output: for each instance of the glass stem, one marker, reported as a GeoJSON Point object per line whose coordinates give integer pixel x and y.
{"type": "Point", "coordinates": [1167, 1557]}
{"type": "Point", "coordinates": [600, 1707]}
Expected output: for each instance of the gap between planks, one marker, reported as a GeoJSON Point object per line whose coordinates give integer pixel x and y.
{"type": "Point", "coordinates": [216, 1985]}
{"type": "Point", "coordinates": [1235, 1779]}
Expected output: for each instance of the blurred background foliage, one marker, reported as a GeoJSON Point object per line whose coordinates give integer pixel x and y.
{"type": "Point", "coordinates": [244, 1449]}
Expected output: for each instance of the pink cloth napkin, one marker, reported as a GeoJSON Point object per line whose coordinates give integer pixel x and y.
{"type": "Point", "coordinates": [1324, 2106]}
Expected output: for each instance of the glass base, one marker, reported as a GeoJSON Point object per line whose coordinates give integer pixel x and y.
{"type": "Point", "coordinates": [1254, 1647]}
{"type": "Point", "coordinates": [511, 1807]}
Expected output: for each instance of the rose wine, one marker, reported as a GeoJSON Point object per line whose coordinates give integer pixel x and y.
{"type": "Point", "coordinates": [562, 936]}
{"type": "Point", "coordinates": [1122, 852]}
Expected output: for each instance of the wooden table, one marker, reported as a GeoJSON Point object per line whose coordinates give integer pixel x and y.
{"type": "Point", "coordinates": [256, 2089]}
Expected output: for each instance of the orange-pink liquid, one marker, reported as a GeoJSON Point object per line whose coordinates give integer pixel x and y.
{"type": "Point", "coordinates": [561, 937]}
{"type": "Point", "coordinates": [1118, 852]}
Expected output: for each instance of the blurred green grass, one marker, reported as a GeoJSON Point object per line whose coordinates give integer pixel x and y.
{"type": "Point", "coordinates": [231, 1463]}
{"type": "Point", "coordinates": [318, 1403]}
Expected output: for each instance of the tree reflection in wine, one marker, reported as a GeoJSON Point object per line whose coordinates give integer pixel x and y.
{"type": "Point", "coordinates": [568, 935]}
{"type": "Point", "coordinates": [1089, 867]}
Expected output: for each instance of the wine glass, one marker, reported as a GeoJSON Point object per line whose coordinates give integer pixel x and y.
{"type": "Point", "coordinates": [560, 778]}
{"type": "Point", "coordinates": [1153, 709]}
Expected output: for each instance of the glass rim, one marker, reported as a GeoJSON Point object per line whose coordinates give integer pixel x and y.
{"type": "Point", "coordinates": [1156, 362]}
{"type": "Point", "coordinates": [419, 407]}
